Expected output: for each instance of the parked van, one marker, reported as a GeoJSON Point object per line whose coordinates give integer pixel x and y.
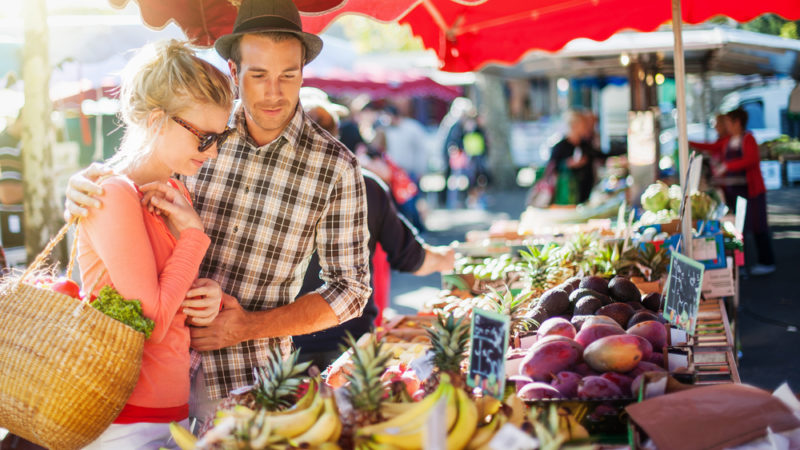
{"type": "Point", "coordinates": [766, 108]}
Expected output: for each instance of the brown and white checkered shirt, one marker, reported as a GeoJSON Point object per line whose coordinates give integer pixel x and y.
{"type": "Point", "coordinates": [266, 209]}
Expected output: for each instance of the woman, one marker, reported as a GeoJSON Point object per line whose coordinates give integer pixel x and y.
{"type": "Point", "coordinates": [739, 174]}
{"type": "Point", "coordinates": [175, 107]}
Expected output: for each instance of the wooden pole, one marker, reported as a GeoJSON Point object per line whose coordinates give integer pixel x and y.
{"type": "Point", "coordinates": [42, 211]}
{"type": "Point", "coordinates": [683, 143]}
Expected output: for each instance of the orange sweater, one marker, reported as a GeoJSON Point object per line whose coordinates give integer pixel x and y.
{"type": "Point", "coordinates": [144, 261]}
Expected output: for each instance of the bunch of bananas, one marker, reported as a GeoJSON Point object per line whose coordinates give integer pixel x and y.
{"type": "Point", "coordinates": [406, 430]}
{"type": "Point", "coordinates": [312, 422]}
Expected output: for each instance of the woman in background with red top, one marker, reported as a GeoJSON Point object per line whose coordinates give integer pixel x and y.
{"type": "Point", "coordinates": [740, 175]}
{"type": "Point", "coordinates": [175, 107]}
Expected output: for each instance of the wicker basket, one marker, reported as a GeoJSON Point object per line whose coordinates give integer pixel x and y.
{"type": "Point", "coordinates": [66, 369]}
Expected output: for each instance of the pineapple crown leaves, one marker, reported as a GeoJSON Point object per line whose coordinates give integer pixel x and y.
{"type": "Point", "coordinates": [538, 257]}
{"type": "Point", "coordinates": [365, 388]}
{"type": "Point", "coordinates": [514, 306]}
{"type": "Point", "coordinates": [449, 337]}
{"type": "Point", "coordinates": [277, 383]}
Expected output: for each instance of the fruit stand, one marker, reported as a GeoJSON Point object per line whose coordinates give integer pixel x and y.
{"type": "Point", "coordinates": [586, 346]}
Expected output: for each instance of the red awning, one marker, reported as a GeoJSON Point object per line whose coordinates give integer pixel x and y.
{"type": "Point", "coordinates": [468, 34]}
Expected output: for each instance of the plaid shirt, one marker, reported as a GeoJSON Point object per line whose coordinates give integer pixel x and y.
{"type": "Point", "coordinates": [266, 209]}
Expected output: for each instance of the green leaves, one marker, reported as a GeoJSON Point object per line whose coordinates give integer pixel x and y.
{"type": "Point", "coordinates": [129, 312]}
{"type": "Point", "coordinates": [277, 383]}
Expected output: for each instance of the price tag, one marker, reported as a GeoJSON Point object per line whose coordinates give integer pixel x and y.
{"type": "Point", "coordinates": [487, 359]}
{"type": "Point", "coordinates": [693, 180]}
{"type": "Point", "coordinates": [435, 427]}
{"type": "Point", "coordinates": [718, 283]}
{"type": "Point", "coordinates": [683, 292]}
{"type": "Point", "coordinates": [510, 437]}
{"type": "Point", "coordinates": [741, 213]}
{"type": "Point", "coordinates": [423, 366]}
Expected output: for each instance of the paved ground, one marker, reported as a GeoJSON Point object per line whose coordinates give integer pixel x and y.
{"type": "Point", "coordinates": [769, 312]}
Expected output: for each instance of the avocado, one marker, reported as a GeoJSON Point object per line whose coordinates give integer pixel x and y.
{"type": "Point", "coordinates": [538, 313]}
{"type": "Point", "coordinates": [579, 293]}
{"type": "Point", "coordinates": [642, 316]}
{"type": "Point", "coordinates": [587, 305]}
{"type": "Point", "coordinates": [597, 284]}
{"type": "Point", "coordinates": [623, 290]}
{"type": "Point", "coordinates": [652, 301]}
{"type": "Point", "coordinates": [555, 301]}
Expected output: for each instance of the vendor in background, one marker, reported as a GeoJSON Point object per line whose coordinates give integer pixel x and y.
{"type": "Point", "coordinates": [715, 149]}
{"type": "Point", "coordinates": [739, 172]}
{"type": "Point", "coordinates": [573, 162]}
{"type": "Point", "coordinates": [405, 250]}
{"type": "Point", "coordinates": [11, 192]}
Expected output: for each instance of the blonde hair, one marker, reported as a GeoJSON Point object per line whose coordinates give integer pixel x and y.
{"type": "Point", "coordinates": [165, 76]}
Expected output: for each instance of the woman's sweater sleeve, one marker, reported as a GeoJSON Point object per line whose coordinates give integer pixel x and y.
{"type": "Point", "coordinates": [117, 233]}
{"type": "Point", "coordinates": [750, 156]}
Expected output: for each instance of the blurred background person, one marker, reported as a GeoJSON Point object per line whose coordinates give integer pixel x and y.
{"type": "Point", "coordinates": [475, 146]}
{"type": "Point", "coordinates": [572, 165]}
{"type": "Point", "coordinates": [404, 251]}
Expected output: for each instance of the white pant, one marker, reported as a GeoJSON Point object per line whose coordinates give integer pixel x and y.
{"type": "Point", "coordinates": [136, 436]}
{"type": "Point", "coordinates": [200, 406]}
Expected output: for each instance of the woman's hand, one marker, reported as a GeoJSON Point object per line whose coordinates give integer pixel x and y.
{"type": "Point", "coordinates": [202, 302]}
{"type": "Point", "coordinates": [170, 203]}
{"type": "Point", "coordinates": [81, 190]}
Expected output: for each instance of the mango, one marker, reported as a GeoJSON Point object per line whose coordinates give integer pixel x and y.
{"type": "Point", "coordinates": [620, 312]}
{"type": "Point", "coordinates": [643, 367]}
{"type": "Point", "coordinates": [622, 381]}
{"type": "Point", "coordinates": [618, 353]}
{"type": "Point", "coordinates": [591, 333]}
{"type": "Point", "coordinates": [555, 338]}
{"type": "Point", "coordinates": [567, 383]}
{"type": "Point", "coordinates": [645, 346]}
{"type": "Point", "coordinates": [548, 358]}
{"type": "Point", "coordinates": [520, 381]}
{"type": "Point", "coordinates": [584, 370]}
{"type": "Point", "coordinates": [602, 319]}
{"type": "Point", "coordinates": [656, 358]}
{"type": "Point", "coordinates": [556, 325]}
{"type": "Point", "coordinates": [538, 391]}
{"type": "Point", "coordinates": [594, 387]}
{"type": "Point", "coordinates": [653, 331]}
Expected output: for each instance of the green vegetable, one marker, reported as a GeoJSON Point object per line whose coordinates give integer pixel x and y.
{"type": "Point", "coordinates": [655, 197]}
{"type": "Point", "coordinates": [129, 312]}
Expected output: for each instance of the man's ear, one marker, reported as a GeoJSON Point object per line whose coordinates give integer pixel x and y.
{"type": "Point", "coordinates": [234, 72]}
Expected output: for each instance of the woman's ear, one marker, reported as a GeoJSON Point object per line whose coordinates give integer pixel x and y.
{"type": "Point", "coordinates": [156, 120]}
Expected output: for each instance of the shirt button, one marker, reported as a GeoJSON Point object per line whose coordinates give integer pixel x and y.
{"type": "Point", "coordinates": [247, 189]}
{"type": "Point", "coordinates": [236, 229]}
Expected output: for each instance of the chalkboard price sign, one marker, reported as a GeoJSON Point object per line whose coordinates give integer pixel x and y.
{"type": "Point", "coordinates": [684, 286]}
{"type": "Point", "coordinates": [487, 359]}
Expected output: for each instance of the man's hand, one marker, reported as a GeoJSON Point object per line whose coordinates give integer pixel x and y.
{"type": "Point", "coordinates": [226, 330]}
{"type": "Point", "coordinates": [202, 302]}
{"type": "Point", "coordinates": [81, 190]}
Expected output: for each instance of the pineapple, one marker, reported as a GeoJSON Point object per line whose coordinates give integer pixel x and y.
{"type": "Point", "coordinates": [365, 389]}
{"type": "Point", "coordinates": [539, 265]}
{"type": "Point", "coordinates": [579, 252]}
{"type": "Point", "coordinates": [514, 307]}
{"type": "Point", "coordinates": [449, 338]}
{"type": "Point", "coordinates": [277, 384]}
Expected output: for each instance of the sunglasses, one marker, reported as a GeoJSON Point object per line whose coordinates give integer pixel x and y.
{"type": "Point", "coordinates": [206, 139]}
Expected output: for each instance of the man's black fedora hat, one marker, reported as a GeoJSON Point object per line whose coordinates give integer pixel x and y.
{"type": "Point", "coordinates": [269, 15]}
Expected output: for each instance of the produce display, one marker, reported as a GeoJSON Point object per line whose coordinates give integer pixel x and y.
{"type": "Point", "coordinates": [661, 204]}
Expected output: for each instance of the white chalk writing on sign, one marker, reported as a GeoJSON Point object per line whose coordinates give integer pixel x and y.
{"type": "Point", "coordinates": [488, 355]}
{"type": "Point", "coordinates": [683, 292]}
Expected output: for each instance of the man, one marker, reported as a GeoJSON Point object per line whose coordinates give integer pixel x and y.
{"type": "Point", "coordinates": [280, 189]}
{"type": "Point", "coordinates": [405, 250]}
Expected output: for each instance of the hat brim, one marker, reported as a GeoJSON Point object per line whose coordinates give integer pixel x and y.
{"type": "Point", "coordinates": [312, 42]}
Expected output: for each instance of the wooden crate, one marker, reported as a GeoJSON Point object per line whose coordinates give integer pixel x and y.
{"type": "Point", "coordinates": [713, 330]}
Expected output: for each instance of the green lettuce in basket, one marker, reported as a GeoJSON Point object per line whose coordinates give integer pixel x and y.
{"type": "Point", "coordinates": [129, 312]}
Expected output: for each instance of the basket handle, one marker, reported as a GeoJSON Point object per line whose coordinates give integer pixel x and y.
{"type": "Point", "coordinates": [48, 249]}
